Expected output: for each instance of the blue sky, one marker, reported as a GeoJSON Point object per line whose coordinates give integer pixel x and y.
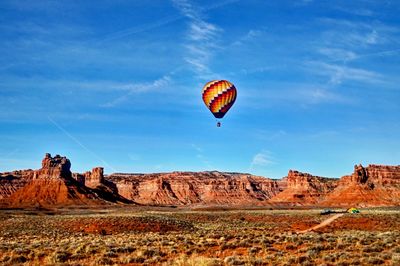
{"type": "Point", "coordinates": [117, 84]}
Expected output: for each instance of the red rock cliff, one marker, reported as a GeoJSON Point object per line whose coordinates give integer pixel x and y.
{"type": "Point", "coordinates": [203, 188]}
{"type": "Point", "coordinates": [94, 178]}
{"type": "Point", "coordinates": [304, 189]}
{"type": "Point", "coordinates": [375, 185]}
{"type": "Point", "coordinates": [12, 181]}
{"type": "Point", "coordinates": [53, 184]}
{"type": "Point", "coordinates": [54, 168]}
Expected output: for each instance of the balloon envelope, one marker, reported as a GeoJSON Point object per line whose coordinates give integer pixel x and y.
{"type": "Point", "coordinates": [219, 96]}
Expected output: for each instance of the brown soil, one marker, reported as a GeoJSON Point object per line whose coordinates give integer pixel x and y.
{"type": "Point", "coordinates": [116, 225]}
{"type": "Point", "coordinates": [176, 237]}
{"type": "Point", "coordinates": [363, 223]}
{"type": "Point", "coordinates": [323, 223]}
{"type": "Point", "coordinates": [52, 192]}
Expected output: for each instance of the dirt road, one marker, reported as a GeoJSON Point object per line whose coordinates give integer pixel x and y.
{"type": "Point", "coordinates": [323, 223]}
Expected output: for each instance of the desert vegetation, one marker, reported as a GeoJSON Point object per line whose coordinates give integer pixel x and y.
{"type": "Point", "coordinates": [183, 237]}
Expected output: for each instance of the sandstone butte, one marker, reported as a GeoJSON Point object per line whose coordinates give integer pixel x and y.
{"type": "Point", "coordinates": [55, 185]}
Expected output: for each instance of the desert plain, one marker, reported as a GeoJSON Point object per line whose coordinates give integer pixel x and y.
{"type": "Point", "coordinates": [180, 236]}
{"type": "Point", "coordinates": [51, 216]}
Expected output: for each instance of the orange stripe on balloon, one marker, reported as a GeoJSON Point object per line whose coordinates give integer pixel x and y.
{"type": "Point", "coordinates": [213, 91]}
{"type": "Point", "coordinates": [210, 91]}
{"type": "Point", "coordinates": [222, 100]}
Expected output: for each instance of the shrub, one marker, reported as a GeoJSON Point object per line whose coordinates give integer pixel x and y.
{"type": "Point", "coordinates": [370, 249]}
{"type": "Point", "coordinates": [59, 257]}
{"type": "Point", "coordinates": [103, 261]}
{"type": "Point", "coordinates": [233, 260]}
{"type": "Point", "coordinates": [17, 259]}
{"type": "Point", "coordinates": [254, 250]}
{"type": "Point", "coordinates": [375, 261]}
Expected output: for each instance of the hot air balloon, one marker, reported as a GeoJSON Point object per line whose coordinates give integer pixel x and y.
{"type": "Point", "coordinates": [219, 96]}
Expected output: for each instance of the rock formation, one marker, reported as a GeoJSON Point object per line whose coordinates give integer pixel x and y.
{"type": "Point", "coordinates": [54, 185]}
{"type": "Point", "coordinates": [190, 188]}
{"type": "Point", "coordinates": [304, 189]}
{"type": "Point", "coordinates": [375, 185]}
{"type": "Point", "coordinates": [12, 181]}
{"type": "Point", "coordinates": [54, 168]}
{"type": "Point", "coordinates": [94, 178]}
{"type": "Point", "coordinates": [383, 174]}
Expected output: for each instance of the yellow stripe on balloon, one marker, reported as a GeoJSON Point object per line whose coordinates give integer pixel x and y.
{"type": "Point", "coordinates": [219, 96]}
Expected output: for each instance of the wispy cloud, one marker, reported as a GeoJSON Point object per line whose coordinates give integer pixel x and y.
{"type": "Point", "coordinates": [163, 21]}
{"type": "Point", "coordinates": [197, 148]}
{"type": "Point", "coordinates": [339, 73]}
{"type": "Point", "coordinates": [337, 54]}
{"type": "Point", "coordinates": [268, 135]}
{"type": "Point", "coordinates": [202, 38]}
{"type": "Point", "coordinates": [345, 52]}
{"type": "Point", "coordinates": [201, 157]}
{"type": "Point", "coordinates": [139, 29]}
{"type": "Point", "coordinates": [359, 11]}
{"type": "Point", "coordinates": [356, 34]}
{"type": "Point", "coordinates": [139, 88]}
{"type": "Point", "coordinates": [250, 35]}
{"type": "Point", "coordinates": [262, 159]}
{"type": "Point", "coordinates": [292, 95]}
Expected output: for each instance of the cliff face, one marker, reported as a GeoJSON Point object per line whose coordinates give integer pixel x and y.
{"type": "Point", "coordinates": [383, 175]}
{"type": "Point", "coordinates": [54, 168]}
{"type": "Point", "coordinates": [304, 189]}
{"type": "Point", "coordinates": [54, 184]}
{"type": "Point", "coordinates": [203, 188]}
{"type": "Point", "coordinates": [375, 185]}
{"type": "Point", "coordinates": [94, 178]}
{"type": "Point", "coordinates": [12, 181]}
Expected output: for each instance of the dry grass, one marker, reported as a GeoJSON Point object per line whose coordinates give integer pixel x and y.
{"type": "Point", "coordinates": [261, 237]}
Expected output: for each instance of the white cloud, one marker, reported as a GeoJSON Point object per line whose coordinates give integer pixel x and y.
{"type": "Point", "coordinates": [266, 135]}
{"type": "Point", "coordinates": [250, 35]}
{"type": "Point", "coordinates": [356, 35]}
{"type": "Point", "coordinates": [356, 11]}
{"type": "Point", "coordinates": [201, 157]}
{"type": "Point", "coordinates": [261, 159]}
{"type": "Point", "coordinates": [338, 54]}
{"type": "Point", "coordinates": [183, 5]}
{"type": "Point", "coordinates": [202, 38]}
{"type": "Point", "coordinates": [197, 148]}
{"type": "Point", "coordinates": [140, 88]}
{"type": "Point", "coordinates": [339, 73]}
{"type": "Point", "coordinates": [139, 29]}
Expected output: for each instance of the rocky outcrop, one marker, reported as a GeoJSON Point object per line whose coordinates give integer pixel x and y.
{"type": "Point", "coordinates": [190, 188]}
{"type": "Point", "coordinates": [52, 192]}
{"type": "Point", "coordinates": [304, 189]}
{"type": "Point", "coordinates": [54, 184]}
{"type": "Point", "coordinates": [54, 168]}
{"type": "Point", "coordinates": [12, 181]}
{"type": "Point", "coordinates": [375, 185]}
{"type": "Point", "coordinates": [383, 175]}
{"type": "Point", "coordinates": [94, 178]}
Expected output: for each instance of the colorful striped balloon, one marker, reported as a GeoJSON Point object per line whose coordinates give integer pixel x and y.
{"type": "Point", "coordinates": [219, 96]}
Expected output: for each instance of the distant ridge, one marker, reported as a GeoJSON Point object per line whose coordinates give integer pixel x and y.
{"type": "Point", "coordinates": [55, 185]}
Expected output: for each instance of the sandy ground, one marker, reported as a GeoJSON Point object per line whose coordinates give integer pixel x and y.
{"type": "Point", "coordinates": [168, 236]}
{"type": "Point", "coordinates": [323, 223]}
